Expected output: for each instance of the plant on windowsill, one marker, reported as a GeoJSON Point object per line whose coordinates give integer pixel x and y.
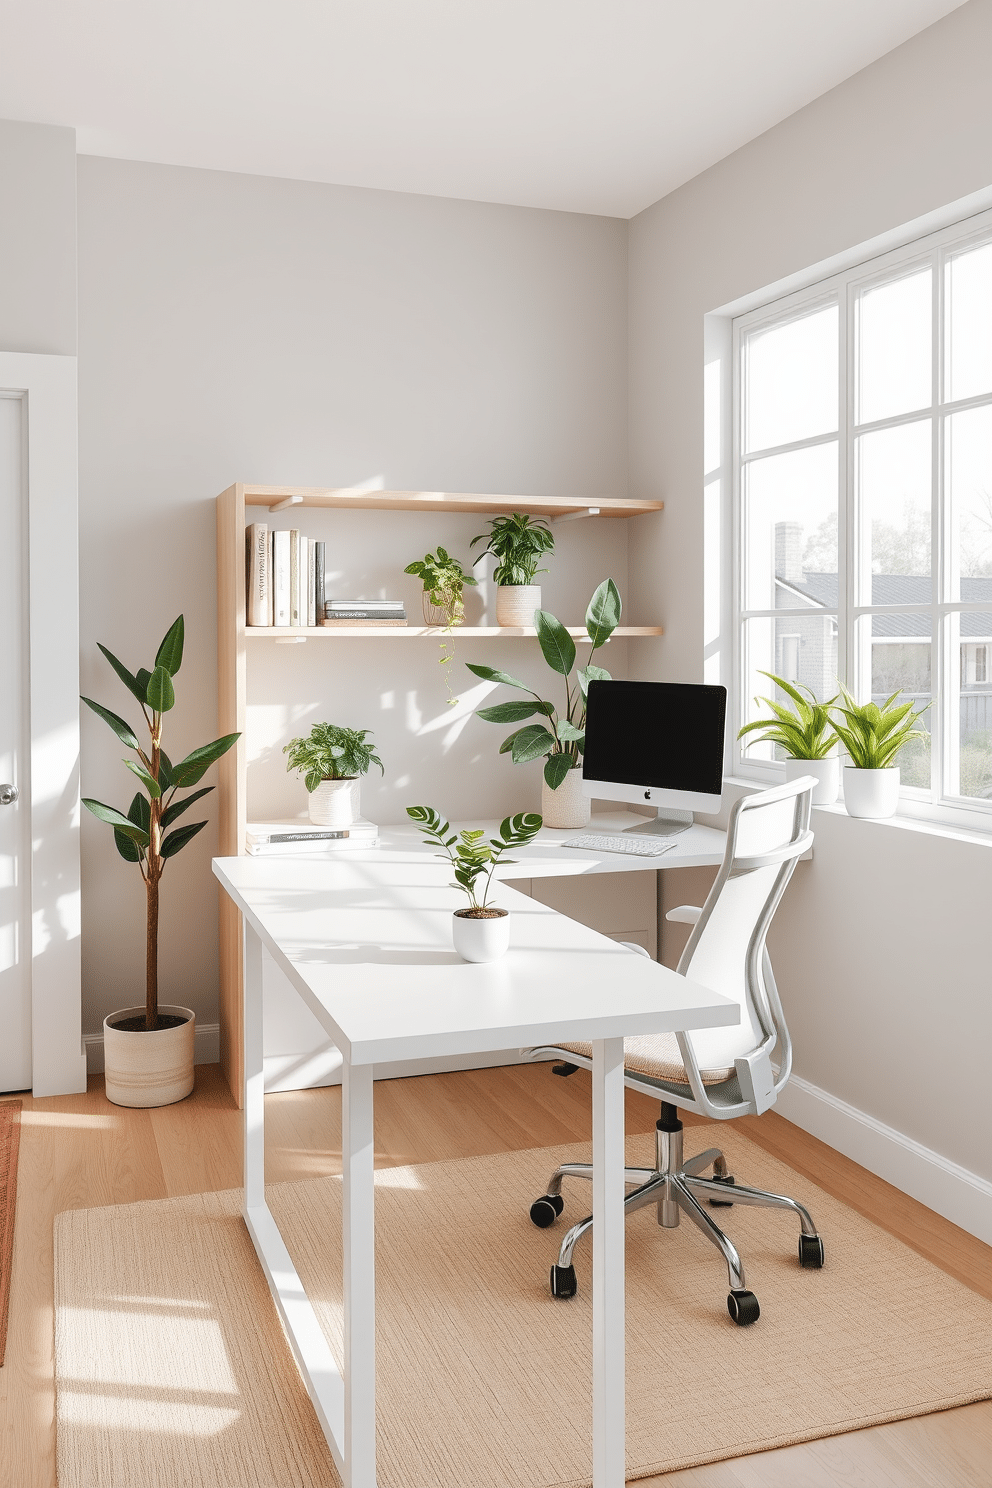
{"type": "Point", "coordinates": [331, 760]}
{"type": "Point", "coordinates": [149, 1052]}
{"type": "Point", "coordinates": [873, 736]}
{"type": "Point", "coordinates": [518, 543]}
{"type": "Point", "coordinates": [444, 580]}
{"type": "Point", "coordinates": [804, 732]}
{"type": "Point", "coordinates": [560, 740]}
{"type": "Point", "coordinates": [482, 931]}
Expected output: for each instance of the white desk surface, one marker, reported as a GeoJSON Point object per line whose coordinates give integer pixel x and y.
{"type": "Point", "coordinates": [366, 940]}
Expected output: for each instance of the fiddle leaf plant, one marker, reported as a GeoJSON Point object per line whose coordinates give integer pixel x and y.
{"type": "Point", "coordinates": [472, 857]}
{"type": "Point", "coordinates": [804, 731]}
{"type": "Point", "coordinates": [874, 735]}
{"type": "Point", "coordinates": [331, 752]}
{"type": "Point", "coordinates": [141, 834]}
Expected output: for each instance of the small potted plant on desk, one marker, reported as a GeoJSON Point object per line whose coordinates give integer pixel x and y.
{"type": "Point", "coordinates": [332, 759]}
{"type": "Point", "coordinates": [873, 736]}
{"type": "Point", "coordinates": [481, 932]}
{"type": "Point", "coordinates": [149, 1051]}
{"type": "Point", "coordinates": [806, 734]}
{"type": "Point", "coordinates": [518, 544]}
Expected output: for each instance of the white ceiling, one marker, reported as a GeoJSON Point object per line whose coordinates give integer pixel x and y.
{"type": "Point", "coordinates": [585, 105]}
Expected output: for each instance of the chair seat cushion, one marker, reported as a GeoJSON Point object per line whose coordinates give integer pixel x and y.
{"type": "Point", "coordinates": [656, 1055]}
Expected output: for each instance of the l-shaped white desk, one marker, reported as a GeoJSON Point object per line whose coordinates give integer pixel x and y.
{"type": "Point", "coordinates": [365, 940]}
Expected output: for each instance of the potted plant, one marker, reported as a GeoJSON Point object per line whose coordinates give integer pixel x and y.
{"type": "Point", "coordinates": [560, 738]}
{"type": "Point", "coordinates": [443, 579]}
{"type": "Point", "coordinates": [517, 543]}
{"type": "Point", "coordinates": [873, 736]}
{"type": "Point", "coordinates": [806, 734]}
{"type": "Point", "coordinates": [331, 760]}
{"type": "Point", "coordinates": [480, 932]}
{"type": "Point", "coordinates": [149, 1051]}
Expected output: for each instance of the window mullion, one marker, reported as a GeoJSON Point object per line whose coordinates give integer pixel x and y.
{"type": "Point", "coordinates": [846, 524]}
{"type": "Point", "coordinates": [940, 733]}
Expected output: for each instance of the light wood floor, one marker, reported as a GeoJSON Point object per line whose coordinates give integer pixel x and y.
{"type": "Point", "coordinates": [81, 1151]}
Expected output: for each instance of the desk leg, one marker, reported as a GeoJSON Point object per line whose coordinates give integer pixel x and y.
{"type": "Point", "coordinates": [254, 1091]}
{"type": "Point", "coordinates": [358, 1201]}
{"type": "Point", "coordinates": [608, 1386]}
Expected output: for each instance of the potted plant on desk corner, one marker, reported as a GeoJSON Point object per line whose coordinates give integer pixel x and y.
{"type": "Point", "coordinates": [873, 736]}
{"type": "Point", "coordinates": [149, 1051]}
{"type": "Point", "coordinates": [518, 543]}
{"type": "Point", "coordinates": [806, 734]}
{"type": "Point", "coordinates": [481, 932]}
{"type": "Point", "coordinates": [560, 739]}
{"type": "Point", "coordinates": [332, 759]}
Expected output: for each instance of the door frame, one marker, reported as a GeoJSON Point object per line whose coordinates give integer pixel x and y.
{"type": "Point", "coordinates": [47, 385]}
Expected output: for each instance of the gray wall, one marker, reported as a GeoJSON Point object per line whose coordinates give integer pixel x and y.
{"type": "Point", "coordinates": [240, 328]}
{"type": "Point", "coordinates": [882, 944]}
{"type": "Point", "coordinates": [38, 238]}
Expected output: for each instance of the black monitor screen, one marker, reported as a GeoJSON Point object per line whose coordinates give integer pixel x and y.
{"type": "Point", "coordinates": [663, 734]}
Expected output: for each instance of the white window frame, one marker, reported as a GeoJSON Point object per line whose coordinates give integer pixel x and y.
{"type": "Point", "coordinates": [844, 289]}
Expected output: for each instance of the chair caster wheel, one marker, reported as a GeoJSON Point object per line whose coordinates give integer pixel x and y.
{"type": "Point", "coordinates": [723, 1203]}
{"type": "Point", "coordinates": [545, 1210]}
{"type": "Point", "coordinates": [563, 1283]}
{"type": "Point", "coordinates": [810, 1252]}
{"type": "Point", "coordinates": [743, 1308]}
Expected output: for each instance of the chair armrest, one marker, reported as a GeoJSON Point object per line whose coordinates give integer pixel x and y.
{"type": "Point", "coordinates": [686, 914]}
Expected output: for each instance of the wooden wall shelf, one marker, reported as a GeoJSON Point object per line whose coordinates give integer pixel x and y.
{"type": "Point", "coordinates": [286, 497]}
{"type": "Point", "coordinates": [418, 632]}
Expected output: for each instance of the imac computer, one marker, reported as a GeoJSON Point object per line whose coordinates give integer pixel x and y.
{"type": "Point", "coordinates": [656, 744]}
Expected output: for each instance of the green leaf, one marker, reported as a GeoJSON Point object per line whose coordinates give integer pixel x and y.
{"type": "Point", "coordinates": [164, 770]}
{"type": "Point", "coordinates": [191, 770]}
{"type": "Point", "coordinates": [556, 768]}
{"type": "Point", "coordinates": [178, 839]}
{"type": "Point", "coordinates": [531, 743]}
{"type": "Point", "coordinates": [139, 811]}
{"type": "Point", "coordinates": [603, 614]}
{"type": "Point", "coordinates": [116, 819]}
{"type": "Point", "coordinates": [508, 742]}
{"type": "Point", "coordinates": [143, 676]}
{"type": "Point", "coordinates": [508, 712]}
{"type": "Point", "coordinates": [493, 674]}
{"type": "Point", "coordinates": [170, 653]}
{"type": "Point", "coordinates": [589, 674]}
{"type": "Point", "coordinates": [148, 781]}
{"type": "Point", "coordinates": [555, 641]}
{"type": "Point", "coordinates": [161, 695]}
{"type": "Point", "coordinates": [130, 681]}
{"type": "Point", "coordinates": [178, 807]}
{"type": "Point", "coordinates": [569, 734]}
{"type": "Point", "coordinates": [128, 849]}
{"type": "Point", "coordinates": [121, 728]}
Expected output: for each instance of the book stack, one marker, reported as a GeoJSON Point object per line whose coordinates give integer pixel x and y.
{"type": "Point", "coordinates": [364, 612]}
{"type": "Point", "coordinates": [284, 577]}
{"type": "Point", "coordinates": [294, 839]}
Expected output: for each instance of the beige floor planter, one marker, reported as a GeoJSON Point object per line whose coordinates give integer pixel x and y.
{"type": "Point", "coordinates": [566, 807]}
{"type": "Point", "coordinates": [149, 1069]}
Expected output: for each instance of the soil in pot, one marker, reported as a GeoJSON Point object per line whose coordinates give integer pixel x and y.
{"type": "Point", "coordinates": [481, 914]}
{"type": "Point", "coordinates": [137, 1024]}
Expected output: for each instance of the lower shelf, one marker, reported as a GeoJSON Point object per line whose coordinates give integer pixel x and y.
{"type": "Point", "coordinates": [293, 635]}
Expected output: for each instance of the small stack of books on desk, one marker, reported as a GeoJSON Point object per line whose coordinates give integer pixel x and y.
{"type": "Point", "coordinates": [364, 612]}
{"type": "Point", "coordinates": [296, 839]}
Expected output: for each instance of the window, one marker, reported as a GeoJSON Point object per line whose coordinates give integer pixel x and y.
{"type": "Point", "coordinates": [863, 505]}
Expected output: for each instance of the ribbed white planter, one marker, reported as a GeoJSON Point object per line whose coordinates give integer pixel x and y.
{"type": "Point", "coordinates": [334, 803]}
{"type": "Point", "coordinates": [567, 806]}
{"type": "Point", "coordinates": [148, 1069]}
{"type": "Point", "coordinates": [871, 793]}
{"type": "Point", "coordinates": [481, 940]}
{"type": "Point", "coordinates": [825, 771]}
{"type": "Point", "coordinates": [516, 603]}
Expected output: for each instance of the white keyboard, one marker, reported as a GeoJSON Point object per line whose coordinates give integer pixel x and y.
{"type": "Point", "coordinates": [633, 847]}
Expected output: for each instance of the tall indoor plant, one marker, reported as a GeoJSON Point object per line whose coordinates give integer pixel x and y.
{"type": "Point", "coordinates": [873, 735]}
{"type": "Point", "coordinates": [149, 1053]}
{"type": "Point", "coordinates": [331, 758]}
{"type": "Point", "coordinates": [805, 734]}
{"type": "Point", "coordinates": [518, 543]}
{"type": "Point", "coordinates": [560, 738]}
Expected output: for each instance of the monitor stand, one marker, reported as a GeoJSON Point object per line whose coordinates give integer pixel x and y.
{"type": "Point", "coordinates": [668, 825]}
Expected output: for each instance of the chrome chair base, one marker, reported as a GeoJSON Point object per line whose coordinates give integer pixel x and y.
{"type": "Point", "coordinates": [674, 1184]}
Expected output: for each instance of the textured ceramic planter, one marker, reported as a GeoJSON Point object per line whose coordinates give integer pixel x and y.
{"type": "Point", "coordinates": [481, 939]}
{"type": "Point", "coordinates": [334, 803]}
{"type": "Point", "coordinates": [825, 771]}
{"type": "Point", "coordinates": [871, 793]}
{"type": "Point", "coordinates": [568, 806]}
{"type": "Point", "coordinates": [442, 615]}
{"type": "Point", "coordinates": [516, 603]}
{"type": "Point", "coordinates": [148, 1069]}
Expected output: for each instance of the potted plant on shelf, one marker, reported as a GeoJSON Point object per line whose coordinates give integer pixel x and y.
{"type": "Point", "coordinates": [560, 738]}
{"type": "Point", "coordinates": [806, 734]}
{"type": "Point", "coordinates": [332, 759]}
{"type": "Point", "coordinates": [518, 543]}
{"type": "Point", "coordinates": [443, 579]}
{"type": "Point", "coordinates": [873, 736]}
{"type": "Point", "coordinates": [149, 1051]}
{"type": "Point", "coordinates": [481, 932]}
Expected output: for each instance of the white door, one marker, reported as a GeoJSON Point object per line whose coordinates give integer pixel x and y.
{"type": "Point", "coordinates": [15, 948]}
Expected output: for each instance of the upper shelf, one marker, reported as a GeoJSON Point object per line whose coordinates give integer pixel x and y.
{"type": "Point", "coordinates": [285, 497]}
{"type": "Point", "coordinates": [389, 632]}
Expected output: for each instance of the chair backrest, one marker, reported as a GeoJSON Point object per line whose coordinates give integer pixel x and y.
{"type": "Point", "coordinates": [768, 832]}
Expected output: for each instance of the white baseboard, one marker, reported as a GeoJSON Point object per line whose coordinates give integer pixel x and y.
{"type": "Point", "coordinates": [206, 1047]}
{"type": "Point", "coordinates": [944, 1186]}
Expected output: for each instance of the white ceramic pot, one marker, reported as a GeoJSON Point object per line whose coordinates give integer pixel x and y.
{"type": "Point", "coordinates": [871, 793]}
{"type": "Point", "coordinates": [481, 940]}
{"type": "Point", "coordinates": [334, 804]}
{"type": "Point", "coordinates": [516, 603]}
{"type": "Point", "coordinates": [826, 772]}
{"type": "Point", "coordinates": [148, 1069]}
{"type": "Point", "coordinates": [567, 806]}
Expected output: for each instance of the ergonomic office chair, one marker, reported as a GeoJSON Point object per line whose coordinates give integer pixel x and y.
{"type": "Point", "coordinates": [718, 1072]}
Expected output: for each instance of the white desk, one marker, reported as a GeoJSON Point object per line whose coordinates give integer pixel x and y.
{"type": "Point", "coordinates": [368, 947]}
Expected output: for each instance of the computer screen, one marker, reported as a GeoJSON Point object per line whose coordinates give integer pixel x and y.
{"type": "Point", "coordinates": [656, 743]}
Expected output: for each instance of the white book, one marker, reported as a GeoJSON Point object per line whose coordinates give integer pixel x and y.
{"type": "Point", "coordinates": [296, 831]}
{"type": "Point", "coordinates": [271, 619]}
{"type": "Point", "coordinates": [280, 578]}
{"type": "Point", "coordinates": [311, 581]}
{"type": "Point", "coordinates": [365, 604]}
{"type": "Point", "coordinates": [297, 591]}
{"type": "Point", "coordinates": [257, 605]}
{"type": "Point", "coordinates": [327, 849]}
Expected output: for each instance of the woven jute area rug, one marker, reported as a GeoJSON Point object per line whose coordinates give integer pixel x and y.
{"type": "Point", "coordinates": [172, 1368]}
{"type": "Point", "coordinates": [10, 1132]}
